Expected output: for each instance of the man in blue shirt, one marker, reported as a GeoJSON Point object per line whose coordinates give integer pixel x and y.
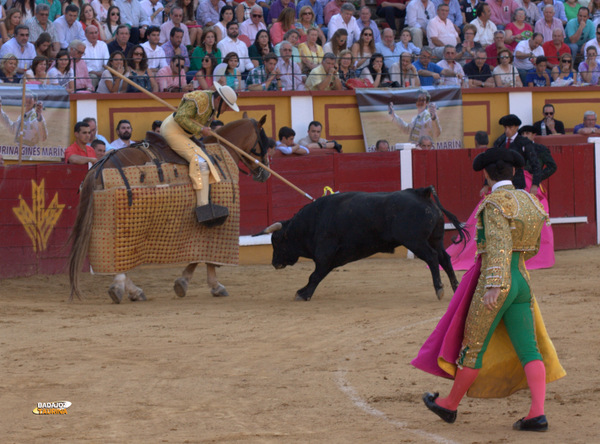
{"type": "Point", "coordinates": [388, 48]}
{"type": "Point", "coordinates": [579, 31]}
{"type": "Point", "coordinates": [430, 73]}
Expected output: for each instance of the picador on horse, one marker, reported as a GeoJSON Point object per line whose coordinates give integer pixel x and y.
{"type": "Point", "coordinates": [137, 206]}
{"type": "Point", "coordinates": [193, 117]}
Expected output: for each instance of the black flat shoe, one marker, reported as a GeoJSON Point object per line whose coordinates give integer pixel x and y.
{"type": "Point", "coordinates": [447, 415]}
{"type": "Point", "coordinates": [537, 424]}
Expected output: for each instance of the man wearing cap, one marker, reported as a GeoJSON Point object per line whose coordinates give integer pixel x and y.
{"type": "Point", "coordinates": [192, 118]}
{"type": "Point", "coordinates": [513, 141]}
{"type": "Point", "coordinates": [497, 288]}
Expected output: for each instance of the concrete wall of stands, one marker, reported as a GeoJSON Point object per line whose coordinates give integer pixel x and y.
{"type": "Point", "coordinates": [482, 108]}
{"type": "Point", "coordinates": [38, 202]}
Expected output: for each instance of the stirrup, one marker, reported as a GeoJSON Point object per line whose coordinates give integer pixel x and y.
{"type": "Point", "coordinates": [211, 215]}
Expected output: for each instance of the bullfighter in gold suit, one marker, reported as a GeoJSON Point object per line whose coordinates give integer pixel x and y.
{"type": "Point", "coordinates": [508, 233]}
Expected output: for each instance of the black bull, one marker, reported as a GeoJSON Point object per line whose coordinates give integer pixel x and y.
{"type": "Point", "coordinates": [341, 228]}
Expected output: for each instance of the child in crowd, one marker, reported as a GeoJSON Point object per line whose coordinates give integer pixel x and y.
{"type": "Point", "coordinates": [286, 143]}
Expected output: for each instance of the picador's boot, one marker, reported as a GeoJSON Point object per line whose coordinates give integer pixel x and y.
{"type": "Point", "coordinates": [207, 213]}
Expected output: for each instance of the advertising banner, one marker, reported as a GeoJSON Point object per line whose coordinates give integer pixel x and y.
{"type": "Point", "coordinates": [46, 130]}
{"type": "Point", "coordinates": [403, 116]}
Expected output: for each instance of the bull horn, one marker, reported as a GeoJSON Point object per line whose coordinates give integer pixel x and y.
{"type": "Point", "coordinates": [270, 229]}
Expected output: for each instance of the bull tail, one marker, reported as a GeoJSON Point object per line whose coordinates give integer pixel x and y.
{"type": "Point", "coordinates": [81, 234]}
{"type": "Point", "coordinates": [463, 234]}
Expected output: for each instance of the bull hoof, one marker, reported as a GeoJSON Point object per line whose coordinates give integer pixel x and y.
{"type": "Point", "coordinates": [137, 297]}
{"type": "Point", "coordinates": [116, 293]}
{"type": "Point", "coordinates": [439, 293]}
{"type": "Point", "coordinates": [180, 286]}
{"type": "Point", "coordinates": [300, 298]}
{"type": "Point", "coordinates": [219, 291]}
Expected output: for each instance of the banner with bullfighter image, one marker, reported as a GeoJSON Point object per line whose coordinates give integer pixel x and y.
{"type": "Point", "coordinates": [46, 129]}
{"type": "Point", "coordinates": [431, 117]}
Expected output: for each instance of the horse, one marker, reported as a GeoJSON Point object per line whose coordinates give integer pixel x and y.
{"type": "Point", "coordinates": [247, 134]}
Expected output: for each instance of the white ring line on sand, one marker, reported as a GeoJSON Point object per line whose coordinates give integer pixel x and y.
{"type": "Point", "coordinates": [349, 391]}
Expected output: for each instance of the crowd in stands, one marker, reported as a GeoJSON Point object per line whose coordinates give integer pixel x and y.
{"type": "Point", "coordinates": [269, 45]}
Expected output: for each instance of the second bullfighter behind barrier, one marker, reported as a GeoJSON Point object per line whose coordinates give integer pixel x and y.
{"type": "Point", "coordinates": [341, 228]}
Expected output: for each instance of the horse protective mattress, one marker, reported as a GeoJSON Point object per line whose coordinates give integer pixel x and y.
{"type": "Point", "coordinates": [160, 226]}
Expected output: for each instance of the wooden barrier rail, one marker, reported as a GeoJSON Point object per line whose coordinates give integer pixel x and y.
{"type": "Point", "coordinates": [38, 202]}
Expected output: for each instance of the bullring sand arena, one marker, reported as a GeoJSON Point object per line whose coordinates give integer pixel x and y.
{"type": "Point", "coordinates": [257, 367]}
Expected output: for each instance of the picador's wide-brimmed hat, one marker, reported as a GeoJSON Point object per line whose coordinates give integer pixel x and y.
{"type": "Point", "coordinates": [228, 95]}
{"type": "Point", "coordinates": [494, 155]}
{"type": "Point", "coordinates": [510, 120]}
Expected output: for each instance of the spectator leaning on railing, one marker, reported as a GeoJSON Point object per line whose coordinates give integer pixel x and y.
{"type": "Point", "coordinates": [172, 78]}
{"type": "Point", "coordinates": [324, 77]}
{"type": "Point", "coordinates": [265, 77]}
{"type": "Point", "coordinates": [80, 153]}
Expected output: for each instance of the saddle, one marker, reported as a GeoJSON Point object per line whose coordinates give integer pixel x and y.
{"type": "Point", "coordinates": [161, 149]}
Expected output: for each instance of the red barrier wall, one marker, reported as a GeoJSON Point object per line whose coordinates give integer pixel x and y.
{"type": "Point", "coordinates": [45, 197]}
{"type": "Point", "coordinates": [31, 190]}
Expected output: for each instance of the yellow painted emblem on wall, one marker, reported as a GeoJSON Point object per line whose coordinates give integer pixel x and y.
{"type": "Point", "coordinates": [38, 220]}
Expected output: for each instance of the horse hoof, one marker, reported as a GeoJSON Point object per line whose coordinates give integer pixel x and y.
{"type": "Point", "coordinates": [180, 286]}
{"type": "Point", "coordinates": [219, 291]}
{"type": "Point", "coordinates": [116, 293]}
{"type": "Point", "coordinates": [439, 293]}
{"type": "Point", "coordinates": [137, 297]}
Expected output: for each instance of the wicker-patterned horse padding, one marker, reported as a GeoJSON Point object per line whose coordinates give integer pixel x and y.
{"type": "Point", "coordinates": [160, 226]}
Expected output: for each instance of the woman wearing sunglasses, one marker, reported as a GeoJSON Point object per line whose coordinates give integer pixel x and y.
{"type": "Point", "coordinates": [563, 74]}
{"type": "Point", "coordinates": [364, 48]}
{"type": "Point", "coordinates": [307, 21]}
{"type": "Point", "coordinates": [113, 21]}
{"type": "Point", "coordinates": [204, 76]}
{"type": "Point", "coordinates": [505, 74]}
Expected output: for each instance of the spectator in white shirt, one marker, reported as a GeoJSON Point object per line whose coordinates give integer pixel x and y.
{"type": "Point", "coordinates": [231, 43]}
{"type": "Point", "coordinates": [96, 54]}
{"type": "Point", "coordinates": [124, 132]}
{"type": "Point", "coordinates": [485, 27]}
{"type": "Point", "coordinates": [68, 28]}
{"type": "Point", "coordinates": [418, 14]}
{"type": "Point", "coordinates": [175, 21]}
{"type": "Point", "coordinates": [251, 26]}
{"type": "Point", "coordinates": [154, 10]}
{"type": "Point", "coordinates": [441, 31]}
{"type": "Point", "coordinates": [156, 55]}
{"type": "Point", "coordinates": [20, 47]}
{"type": "Point", "coordinates": [345, 19]}
{"type": "Point", "coordinates": [134, 16]}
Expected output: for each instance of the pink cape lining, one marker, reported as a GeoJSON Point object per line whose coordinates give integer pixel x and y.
{"type": "Point", "coordinates": [445, 341]}
{"type": "Point", "coordinates": [463, 259]}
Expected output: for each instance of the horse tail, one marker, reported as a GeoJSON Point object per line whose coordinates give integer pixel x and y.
{"type": "Point", "coordinates": [463, 234]}
{"type": "Point", "coordinates": [81, 233]}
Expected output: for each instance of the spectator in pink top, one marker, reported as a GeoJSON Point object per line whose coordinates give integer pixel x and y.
{"type": "Point", "coordinates": [548, 23]}
{"type": "Point", "coordinates": [502, 11]}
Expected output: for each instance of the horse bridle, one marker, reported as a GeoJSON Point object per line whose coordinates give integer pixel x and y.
{"type": "Point", "coordinates": [245, 161]}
